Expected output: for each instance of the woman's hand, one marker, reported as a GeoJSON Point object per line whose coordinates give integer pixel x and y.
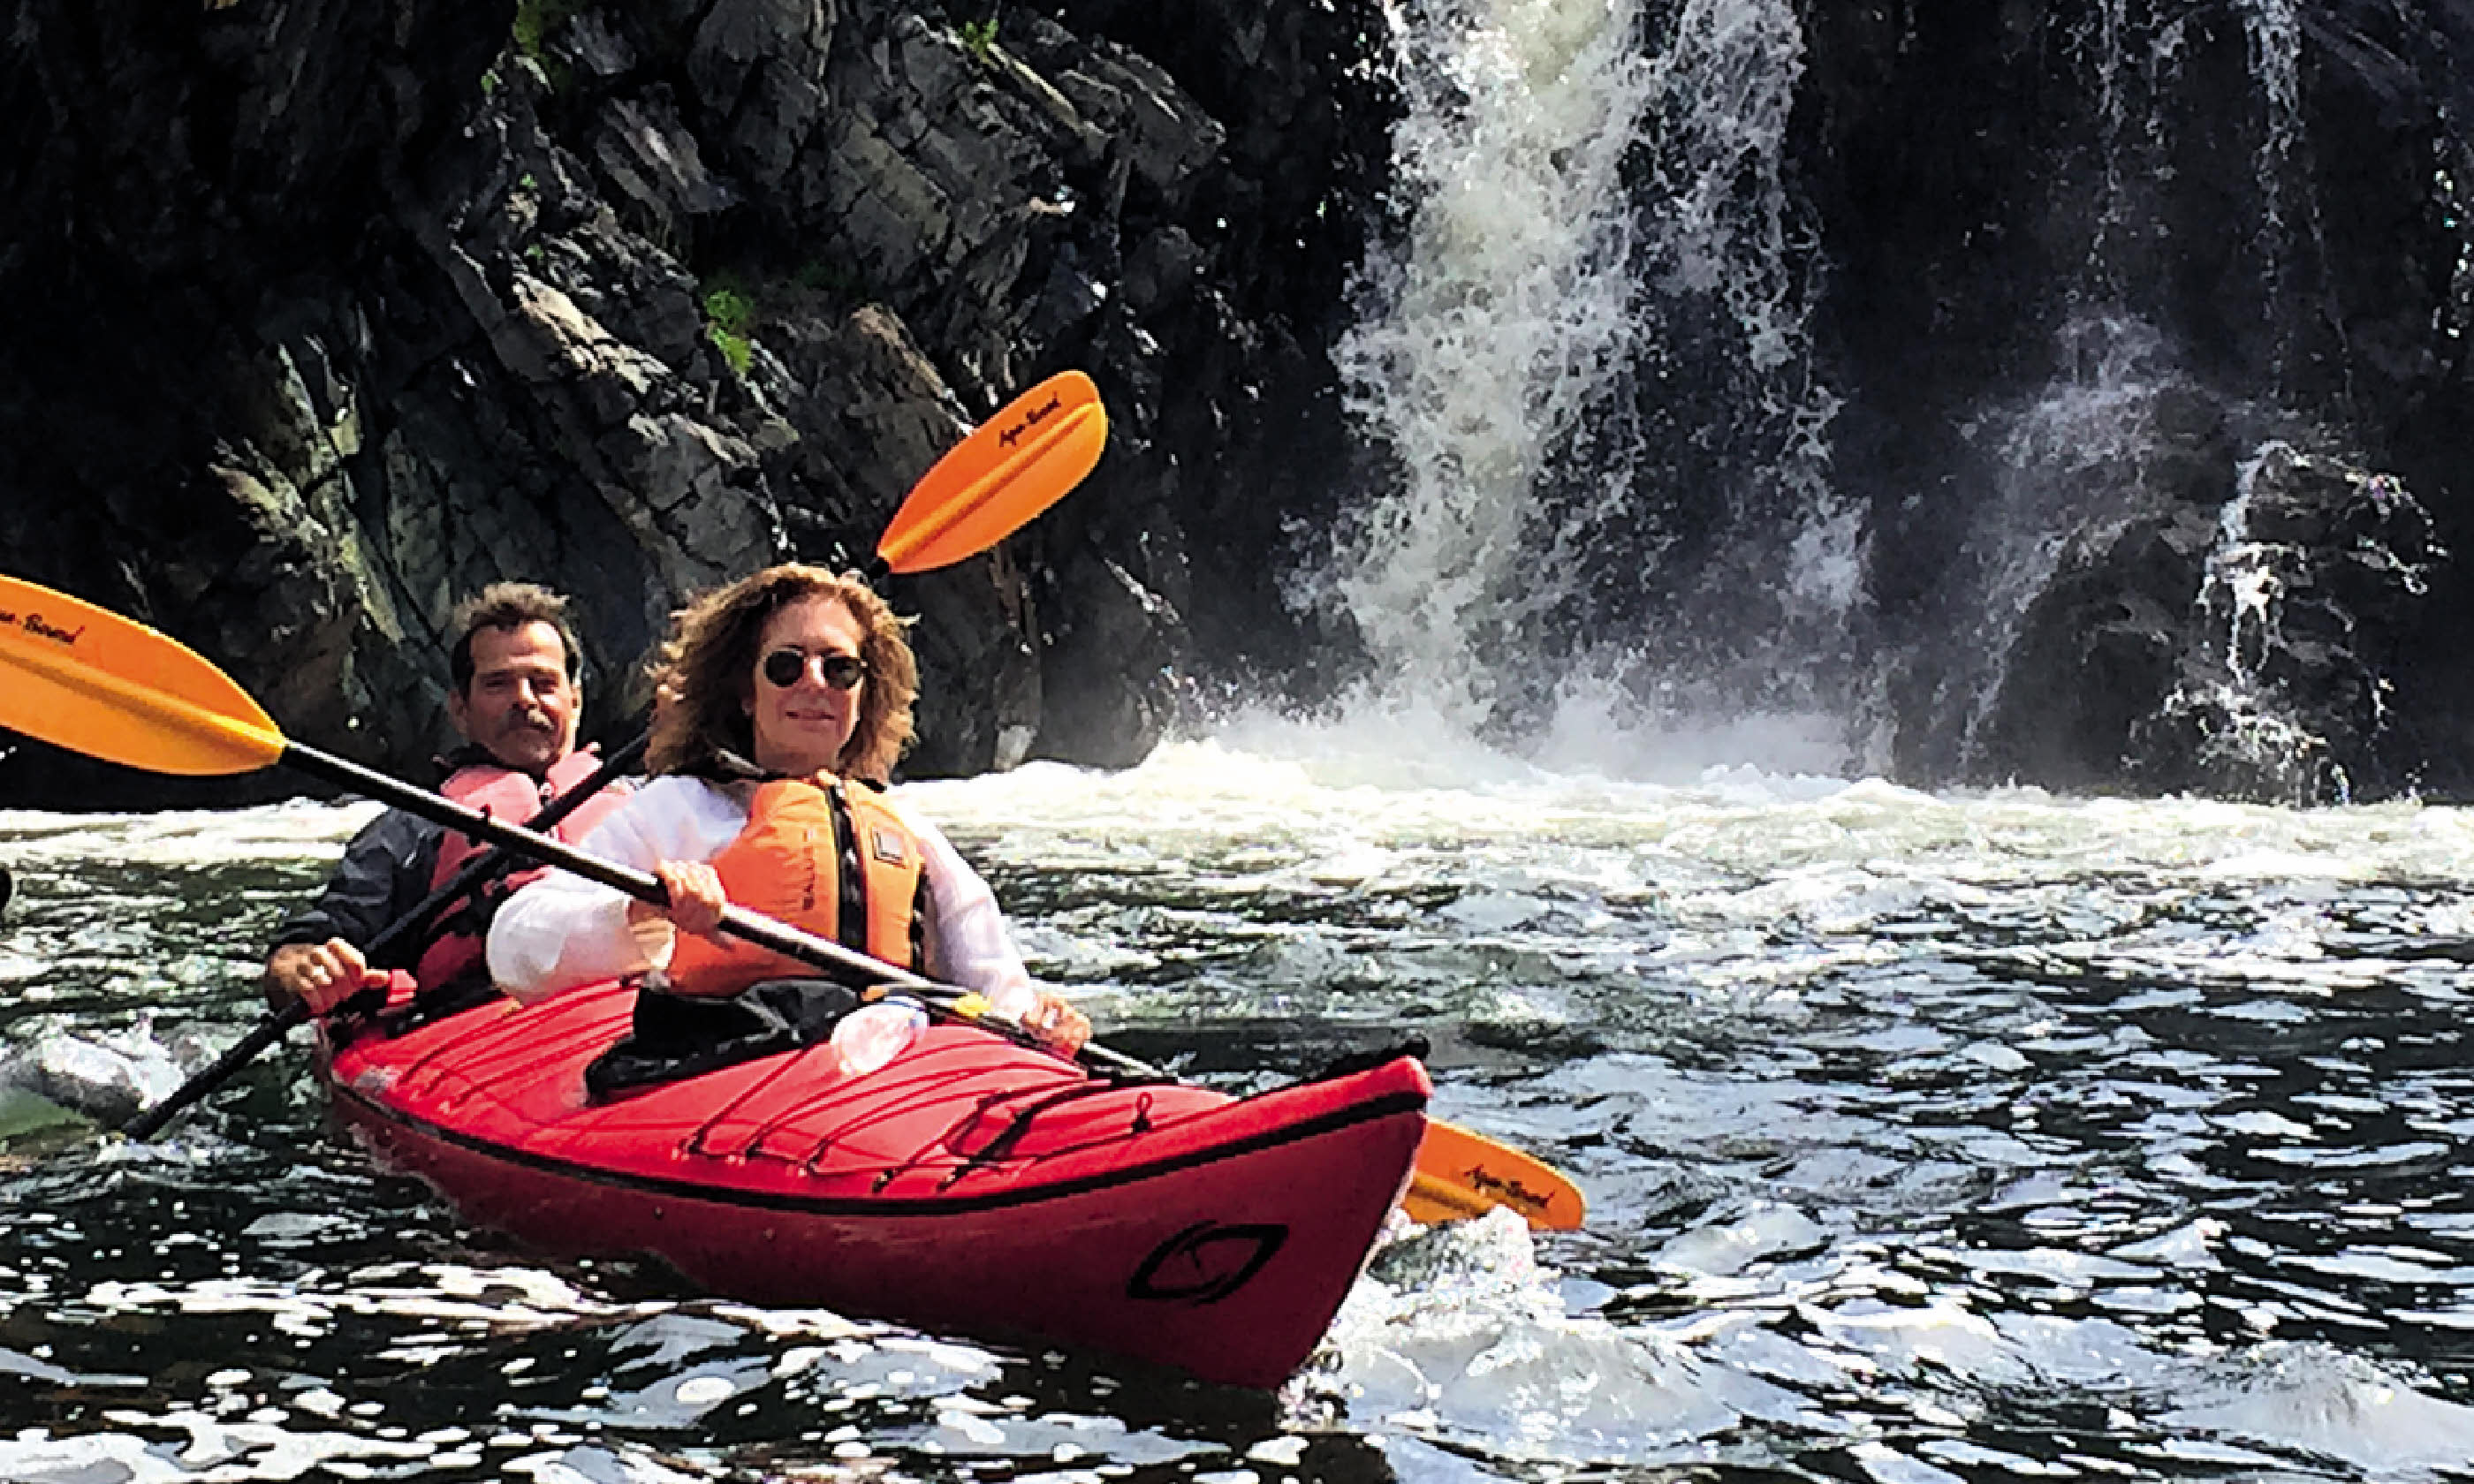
{"type": "Point", "coordinates": [1057, 1026]}
{"type": "Point", "coordinates": [697, 898]}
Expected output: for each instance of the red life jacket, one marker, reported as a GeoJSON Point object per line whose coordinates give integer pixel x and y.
{"type": "Point", "coordinates": [825, 857]}
{"type": "Point", "coordinates": [513, 797]}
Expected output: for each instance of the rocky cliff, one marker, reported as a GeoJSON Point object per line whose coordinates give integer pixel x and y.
{"type": "Point", "coordinates": [326, 314]}
{"type": "Point", "coordinates": [2112, 359]}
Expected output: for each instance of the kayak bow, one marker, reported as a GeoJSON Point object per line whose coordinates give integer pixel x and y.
{"type": "Point", "coordinates": [972, 1184]}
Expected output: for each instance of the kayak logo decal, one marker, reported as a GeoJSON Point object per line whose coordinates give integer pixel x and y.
{"type": "Point", "coordinates": [1205, 1262]}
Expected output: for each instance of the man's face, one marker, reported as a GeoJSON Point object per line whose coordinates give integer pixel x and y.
{"type": "Point", "coordinates": [522, 708]}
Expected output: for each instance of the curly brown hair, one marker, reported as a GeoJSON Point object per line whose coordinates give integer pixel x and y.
{"type": "Point", "coordinates": [703, 676]}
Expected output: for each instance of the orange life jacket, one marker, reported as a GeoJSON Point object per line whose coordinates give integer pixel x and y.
{"type": "Point", "coordinates": [514, 798]}
{"type": "Point", "coordinates": [828, 857]}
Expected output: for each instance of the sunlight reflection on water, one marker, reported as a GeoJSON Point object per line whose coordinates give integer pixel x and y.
{"type": "Point", "coordinates": [1925, 1135]}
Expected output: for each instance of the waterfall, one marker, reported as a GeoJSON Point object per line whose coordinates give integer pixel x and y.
{"type": "Point", "coordinates": [2249, 735]}
{"type": "Point", "coordinates": [2275, 32]}
{"type": "Point", "coordinates": [1507, 314]}
{"type": "Point", "coordinates": [2061, 471]}
{"type": "Point", "coordinates": [1585, 360]}
{"type": "Point", "coordinates": [2274, 28]}
{"type": "Point", "coordinates": [2307, 550]}
{"type": "Point", "coordinates": [2131, 63]}
{"type": "Point", "coordinates": [1606, 514]}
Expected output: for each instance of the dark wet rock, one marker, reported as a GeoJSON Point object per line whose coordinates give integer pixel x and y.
{"type": "Point", "coordinates": [654, 168]}
{"type": "Point", "coordinates": [2321, 572]}
{"type": "Point", "coordinates": [1116, 663]}
{"type": "Point", "coordinates": [1988, 180]}
{"type": "Point", "coordinates": [323, 315]}
{"type": "Point", "coordinates": [2239, 646]}
{"type": "Point", "coordinates": [332, 314]}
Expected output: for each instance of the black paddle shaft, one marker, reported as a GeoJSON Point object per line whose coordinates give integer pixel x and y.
{"type": "Point", "coordinates": [468, 877]}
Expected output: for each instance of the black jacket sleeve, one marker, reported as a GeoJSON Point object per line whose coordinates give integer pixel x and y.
{"type": "Point", "coordinates": [384, 874]}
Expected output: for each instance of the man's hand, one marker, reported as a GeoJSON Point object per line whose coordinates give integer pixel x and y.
{"type": "Point", "coordinates": [1057, 1026]}
{"type": "Point", "coordinates": [325, 974]}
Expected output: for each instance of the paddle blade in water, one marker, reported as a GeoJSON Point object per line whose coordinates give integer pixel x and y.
{"type": "Point", "coordinates": [1464, 1174]}
{"type": "Point", "coordinates": [1014, 465]}
{"type": "Point", "coordinates": [86, 679]}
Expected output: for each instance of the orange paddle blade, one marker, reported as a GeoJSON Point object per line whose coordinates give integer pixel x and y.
{"type": "Point", "coordinates": [1011, 468]}
{"type": "Point", "coordinates": [86, 679]}
{"type": "Point", "coordinates": [1464, 1174]}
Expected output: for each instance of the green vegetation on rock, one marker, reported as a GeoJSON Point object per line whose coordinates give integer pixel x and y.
{"type": "Point", "coordinates": [729, 314]}
{"type": "Point", "coordinates": [536, 20]}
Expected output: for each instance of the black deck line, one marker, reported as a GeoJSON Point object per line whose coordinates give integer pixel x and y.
{"type": "Point", "coordinates": [1388, 1106]}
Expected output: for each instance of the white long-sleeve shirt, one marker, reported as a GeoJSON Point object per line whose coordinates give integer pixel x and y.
{"type": "Point", "coordinates": [562, 930]}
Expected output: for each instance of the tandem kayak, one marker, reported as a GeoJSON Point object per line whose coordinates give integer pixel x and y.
{"type": "Point", "coordinates": [970, 1185]}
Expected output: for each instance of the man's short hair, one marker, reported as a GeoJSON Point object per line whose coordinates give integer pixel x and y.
{"type": "Point", "coordinates": [508, 605]}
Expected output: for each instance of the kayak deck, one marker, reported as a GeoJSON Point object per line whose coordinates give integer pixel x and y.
{"type": "Point", "coordinates": [972, 1183]}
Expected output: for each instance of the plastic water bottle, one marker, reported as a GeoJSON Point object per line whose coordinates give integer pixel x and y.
{"type": "Point", "coordinates": [873, 1035]}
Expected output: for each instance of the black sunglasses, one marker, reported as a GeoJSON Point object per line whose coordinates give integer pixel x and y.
{"type": "Point", "coordinates": [843, 672]}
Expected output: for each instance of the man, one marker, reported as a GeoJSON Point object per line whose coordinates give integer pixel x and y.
{"type": "Point", "coordinates": [515, 698]}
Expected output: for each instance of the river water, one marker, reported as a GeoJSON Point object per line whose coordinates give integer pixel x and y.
{"type": "Point", "coordinates": [1987, 1137]}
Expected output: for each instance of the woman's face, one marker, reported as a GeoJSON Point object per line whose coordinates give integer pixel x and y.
{"type": "Point", "coordinates": [802, 727]}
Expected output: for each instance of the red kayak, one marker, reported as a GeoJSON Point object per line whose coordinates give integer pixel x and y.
{"type": "Point", "coordinates": [971, 1184]}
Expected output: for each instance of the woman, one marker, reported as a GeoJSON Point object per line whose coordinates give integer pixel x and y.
{"type": "Point", "coordinates": [782, 702]}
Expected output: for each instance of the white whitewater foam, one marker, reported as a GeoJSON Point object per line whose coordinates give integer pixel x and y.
{"type": "Point", "coordinates": [1457, 1334]}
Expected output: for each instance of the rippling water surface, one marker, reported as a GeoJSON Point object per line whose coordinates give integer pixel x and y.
{"type": "Point", "coordinates": [1928, 1137]}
